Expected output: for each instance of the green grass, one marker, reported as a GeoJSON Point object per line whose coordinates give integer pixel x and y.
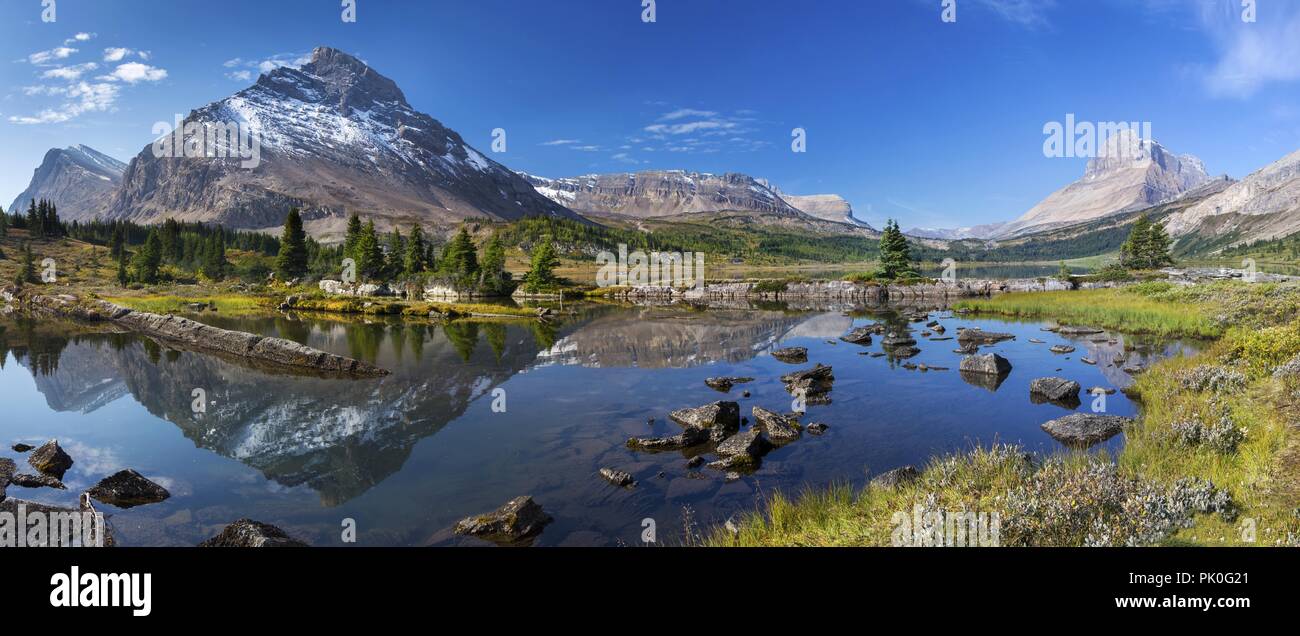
{"type": "Point", "coordinates": [169, 304]}
{"type": "Point", "coordinates": [1123, 309]}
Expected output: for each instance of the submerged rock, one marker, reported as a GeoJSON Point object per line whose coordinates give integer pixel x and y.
{"type": "Point", "coordinates": [22, 448]}
{"type": "Point", "coordinates": [721, 418]}
{"type": "Point", "coordinates": [979, 336]}
{"type": "Point", "coordinates": [779, 428]}
{"type": "Point", "coordinates": [50, 459]}
{"type": "Point", "coordinates": [724, 384]}
{"type": "Point", "coordinates": [859, 336]}
{"type": "Point", "coordinates": [128, 489]}
{"type": "Point", "coordinates": [691, 436]}
{"type": "Point", "coordinates": [791, 355]}
{"type": "Point", "coordinates": [1100, 390]}
{"type": "Point", "coordinates": [896, 477]}
{"type": "Point", "coordinates": [520, 519]}
{"type": "Point", "coordinates": [617, 477]}
{"type": "Point", "coordinates": [247, 533]}
{"type": "Point", "coordinates": [817, 428]}
{"type": "Point", "coordinates": [37, 481]}
{"type": "Point", "coordinates": [1082, 430]}
{"type": "Point", "coordinates": [897, 341]}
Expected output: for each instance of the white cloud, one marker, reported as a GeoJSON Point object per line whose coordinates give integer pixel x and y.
{"type": "Point", "coordinates": [69, 73]}
{"type": "Point", "coordinates": [135, 72]}
{"type": "Point", "coordinates": [562, 142]}
{"type": "Point", "coordinates": [1028, 13]}
{"type": "Point", "coordinates": [689, 127]}
{"type": "Point", "coordinates": [83, 97]}
{"type": "Point", "coordinates": [683, 113]}
{"type": "Point", "coordinates": [41, 58]}
{"type": "Point", "coordinates": [116, 54]}
{"type": "Point", "coordinates": [1251, 56]}
{"type": "Point", "coordinates": [80, 37]}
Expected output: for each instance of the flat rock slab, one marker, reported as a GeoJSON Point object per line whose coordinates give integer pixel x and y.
{"type": "Point", "coordinates": [50, 459]}
{"type": "Point", "coordinates": [127, 489]}
{"type": "Point", "coordinates": [1062, 349]}
{"type": "Point", "coordinates": [519, 520]}
{"type": "Point", "coordinates": [859, 336]}
{"type": "Point", "coordinates": [1082, 430]}
{"type": "Point", "coordinates": [691, 436]}
{"type": "Point", "coordinates": [37, 481]}
{"type": "Point", "coordinates": [1072, 330]}
{"type": "Point", "coordinates": [247, 533]}
{"type": "Point", "coordinates": [724, 384]}
{"type": "Point", "coordinates": [979, 336]}
{"type": "Point", "coordinates": [791, 355]}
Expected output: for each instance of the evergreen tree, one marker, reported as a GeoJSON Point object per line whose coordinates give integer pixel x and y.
{"type": "Point", "coordinates": [493, 277]}
{"type": "Point", "coordinates": [214, 264]}
{"type": "Point", "coordinates": [1147, 246]}
{"type": "Point", "coordinates": [460, 260]}
{"type": "Point", "coordinates": [146, 262]}
{"type": "Point", "coordinates": [369, 256]}
{"type": "Point", "coordinates": [413, 260]}
{"type": "Point", "coordinates": [171, 241]}
{"type": "Point", "coordinates": [4, 224]}
{"type": "Point", "coordinates": [394, 264]}
{"type": "Point", "coordinates": [291, 262]}
{"type": "Point", "coordinates": [27, 270]}
{"type": "Point", "coordinates": [541, 272]}
{"type": "Point", "coordinates": [117, 244]}
{"type": "Point", "coordinates": [350, 239]}
{"type": "Point", "coordinates": [122, 278]}
{"type": "Point", "coordinates": [34, 227]}
{"type": "Point", "coordinates": [895, 254]}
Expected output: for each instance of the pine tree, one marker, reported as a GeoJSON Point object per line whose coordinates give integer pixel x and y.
{"type": "Point", "coordinates": [1147, 246]}
{"type": "Point", "coordinates": [214, 264]}
{"type": "Point", "coordinates": [895, 254]}
{"type": "Point", "coordinates": [369, 257]}
{"type": "Point", "coordinates": [460, 260]}
{"type": "Point", "coordinates": [122, 278]}
{"type": "Point", "coordinates": [350, 239]}
{"type": "Point", "coordinates": [27, 270]}
{"type": "Point", "coordinates": [1156, 249]}
{"type": "Point", "coordinates": [4, 224]}
{"type": "Point", "coordinates": [493, 277]}
{"type": "Point", "coordinates": [394, 263]}
{"type": "Point", "coordinates": [117, 244]}
{"type": "Point", "coordinates": [413, 260]}
{"type": "Point", "coordinates": [541, 272]}
{"type": "Point", "coordinates": [171, 241]}
{"type": "Point", "coordinates": [291, 262]}
{"type": "Point", "coordinates": [146, 262]}
{"type": "Point", "coordinates": [34, 227]}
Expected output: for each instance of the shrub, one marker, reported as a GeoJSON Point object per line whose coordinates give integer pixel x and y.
{"type": "Point", "coordinates": [1212, 378]}
{"type": "Point", "coordinates": [1222, 438]}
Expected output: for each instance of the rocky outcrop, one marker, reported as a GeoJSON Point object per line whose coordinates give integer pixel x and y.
{"type": "Point", "coordinates": [779, 428]}
{"type": "Point", "coordinates": [720, 418]}
{"type": "Point", "coordinates": [986, 364]}
{"type": "Point", "coordinates": [519, 520]}
{"type": "Point", "coordinates": [741, 451]}
{"type": "Point", "coordinates": [896, 477]}
{"type": "Point", "coordinates": [810, 383]}
{"type": "Point", "coordinates": [1082, 430]}
{"type": "Point", "coordinates": [50, 459]}
{"type": "Point", "coordinates": [859, 336]}
{"type": "Point", "coordinates": [363, 290]}
{"type": "Point", "coordinates": [690, 436]}
{"type": "Point", "coordinates": [791, 355]}
{"type": "Point", "coordinates": [247, 533]}
{"type": "Point", "coordinates": [128, 489]}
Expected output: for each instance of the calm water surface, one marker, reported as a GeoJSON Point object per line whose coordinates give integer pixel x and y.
{"type": "Point", "coordinates": [408, 455]}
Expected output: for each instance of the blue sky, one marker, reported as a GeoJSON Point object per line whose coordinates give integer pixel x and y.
{"type": "Point", "coordinates": [936, 124]}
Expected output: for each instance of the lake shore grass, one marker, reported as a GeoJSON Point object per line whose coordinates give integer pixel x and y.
{"type": "Point", "coordinates": [1236, 481]}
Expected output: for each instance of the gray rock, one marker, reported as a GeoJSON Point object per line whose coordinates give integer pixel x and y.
{"type": "Point", "coordinates": [518, 520]}
{"type": "Point", "coordinates": [979, 336]}
{"type": "Point", "coordinates": [986, 364]}
{"type": "Point", "coordinates": [779, 428]}
{"type": "Point", "coordinates": [22, 448]}
{"type": "Point", "coordinates": [898, 341]}
{"type": "Point", "coordinates": [695, 462]}
{"type": "Point", "coordinates": [50, 459]}
{"type": "Point", "coordinates": [859, 336]}
{"type": "Point", "coordinates": [1070, 330]}
{"type": "Point", "coordinates": [1062, 349]}
{"type": "Point", "coordinates": [1055, 389]}
{"type": "Point", "coordinates": [812, 382]}
{"type": "Point", "coordinates": [724, 384]}
{"type": "Point", "coordinates": [247, 533]}
{"type": "Point", "coordinates": [791, 355]}
{"type": "Point", "coordinates": [896, 477]}
{"type": "Point", "coordinates": [691, 436]}
{"type": "Point", "coordinates": [817, 428]}
{"type": "Point", "coordinates": [37, 481]}
{"type": "Point", "coordinates": [617, 477]}
{"type": "Point", "coordinates": [745, 447]}
{"type": "Point", "coordinates": [128, 489]}
{"type": "Point", "coordinates": [1082, 430]}
{"type": "Point", "coordinates": [721, 418]}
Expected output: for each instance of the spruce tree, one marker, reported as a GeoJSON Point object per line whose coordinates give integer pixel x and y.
{"type": "Point", "coordinates": [541, 272]}
{"type": "Point", "coordinates": [460, 260]}
{"type": "Point", "coordinates": [895, 254]}
{"type": "Point", "coordinates": [394, 264]}
{"type": "Point", "coordinates": [492, 269]}
{"type": "Point", "coordinates": [350, 239]}
{"type": "Point", "coordinates": [27, 269]}
{"type": "Point", "coordinates": [291, 262]}
{"type": "Point", "coordinates": [369, 256]}
{"type": "Point", "coordinates": [146, 262]}
{"type": "Point", "coordinates": [122, 278]}
{"type": "Point", "coordinates": [413, 260]}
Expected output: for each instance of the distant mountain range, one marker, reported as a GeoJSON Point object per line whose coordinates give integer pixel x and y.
{"type": "Point", "coordinates": [80, 180]}
{"type": "Point", "coordinates": [339, 138]}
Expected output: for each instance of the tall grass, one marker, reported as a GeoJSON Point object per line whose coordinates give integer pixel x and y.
{"type": "Point", "coordinates": [1119, 309]}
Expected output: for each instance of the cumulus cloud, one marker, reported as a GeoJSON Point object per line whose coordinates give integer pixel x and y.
{"type": "Point", "coordinates": [69, 72]}
{"type": "Point", "coordinates": [82, 97]}
{"type": "Point", "coordinates": [135, 72]}
{"type": "Point", "coordinates": [43, 58]}
{"type": "Point", "coordinates": [116, 54]}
